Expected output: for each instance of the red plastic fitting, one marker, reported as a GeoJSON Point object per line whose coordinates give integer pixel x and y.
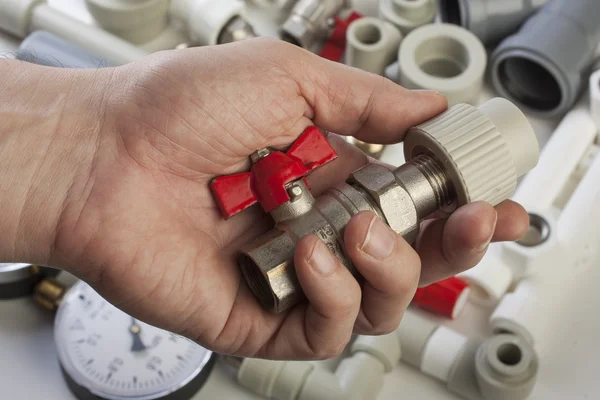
{"type": "Point", "coordinates": [335, 46]}
{"type": "Point", "coordinates": [446, 298]}
{"type": "Point", "coordinates": [267, 182]}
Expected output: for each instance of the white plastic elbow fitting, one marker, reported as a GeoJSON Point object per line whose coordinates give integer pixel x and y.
{"type": "Point", "coordinates": [503, 367]}
{"type": "Point", "coordinates": [137, 21]}
{"type": "Point", "coordinates": [206, 19]}
{"type": "Point", "coordinates": [523, 312]}
{"type": "Point", "coordinates": [445, 58]}
{"type": "Point", "coordinates": [490, 279]}
{"type": "Point", "coordinates": [407, 14]}
{"type": "Point", "coordinates": [372, 44]}
{"type": "Point", "coordinates": [359, 377]}
{"type": "Point", "coordinates": [595, 97]}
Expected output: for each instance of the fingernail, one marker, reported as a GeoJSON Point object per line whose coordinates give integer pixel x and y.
{"type": "Point", "coordinates": [322, 260]}
{"type": "Point", "coordinates": [380, 241]}
{"type": "Point", "coordinates": [483, 246]}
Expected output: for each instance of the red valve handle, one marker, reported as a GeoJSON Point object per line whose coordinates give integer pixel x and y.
{"type": "Point", "coordinates": [446, 298]}
{"type": "Point", "coordinates": [267, 182]}
{"type": "Point", "coordinates": [335, 46]}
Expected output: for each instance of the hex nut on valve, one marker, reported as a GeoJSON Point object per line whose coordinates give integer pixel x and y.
{"type": "Point", "coordinates": [381, 184]}
{"type": "Point", "coordinates": [466, 154]}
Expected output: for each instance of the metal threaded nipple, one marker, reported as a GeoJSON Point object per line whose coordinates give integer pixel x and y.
{"type": "Point", "coordinates": [437, 177]}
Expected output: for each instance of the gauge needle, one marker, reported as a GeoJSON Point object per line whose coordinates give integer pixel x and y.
{"type": "Point", "coordinates": [135, 331]}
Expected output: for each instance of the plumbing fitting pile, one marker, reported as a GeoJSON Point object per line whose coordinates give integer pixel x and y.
{"type": "Point", "coordinates": [468, 153]}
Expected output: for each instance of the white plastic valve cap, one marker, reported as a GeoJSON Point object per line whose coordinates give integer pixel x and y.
{"type": "Point", "coordinates": [516, 132]}
{"type": "Point", "coordinates": [484, 150]}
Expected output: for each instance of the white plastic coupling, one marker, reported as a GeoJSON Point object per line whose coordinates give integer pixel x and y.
{"type": "Point", "coordinates": [372, 44]}
{"type": "Point", "coordinates": [407, 15]}
{"type": "Point", "coordinates": [445, 58]}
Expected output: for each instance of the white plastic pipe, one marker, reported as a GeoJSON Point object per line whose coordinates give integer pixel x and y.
{"type": "Point", "coordinates": [560, 157]}
{"type": "Point", "coordinates": [21, 17]}
{"type": "Point", "coordinates": [536, 303]}
{"type": "Point", "coordinates": [579, 223]}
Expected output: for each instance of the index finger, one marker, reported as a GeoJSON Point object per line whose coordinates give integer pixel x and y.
{"type": "Point", "coordinates": [369, 107]}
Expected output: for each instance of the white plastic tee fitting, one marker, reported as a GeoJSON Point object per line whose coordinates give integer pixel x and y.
{"type": "Point", "coordinates": [372, 44]}
{"type": "Point", "coordinates": [407, 14]}
{"type": "Point", "coordinates": [595, 97]}
{"type": "Point", "coordinates": [445, 58]}
{"type": "Point", "coordinates": [206, 20]}
{"type": "Point", "coordinates": [137, 21]}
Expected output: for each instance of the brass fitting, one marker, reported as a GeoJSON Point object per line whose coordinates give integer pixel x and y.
{"type": "Point", "coordinates": [464, 155]}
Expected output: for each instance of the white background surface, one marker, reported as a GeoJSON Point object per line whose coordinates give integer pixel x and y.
{"type": "Point", "coordinates": [569, 353]}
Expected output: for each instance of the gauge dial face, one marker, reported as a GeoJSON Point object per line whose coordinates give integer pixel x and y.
{"type": "Point", "coordinates": [114, 356]}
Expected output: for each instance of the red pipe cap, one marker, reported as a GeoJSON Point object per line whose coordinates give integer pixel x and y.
{"type": "Point", "coordinates": [446, 298]}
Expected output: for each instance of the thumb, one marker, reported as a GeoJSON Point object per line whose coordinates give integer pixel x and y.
{"type": "Point", "coordinates": [371, 108]}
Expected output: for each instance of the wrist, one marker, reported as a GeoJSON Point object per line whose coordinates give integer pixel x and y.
{"type": "Point", "coordinates": [50, 121]}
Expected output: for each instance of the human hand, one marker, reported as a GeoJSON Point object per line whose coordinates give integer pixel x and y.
{"type": "Point", "coordinates": [123, 183]}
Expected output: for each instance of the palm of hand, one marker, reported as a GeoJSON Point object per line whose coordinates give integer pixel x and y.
{"type": "Point", "coordinates": [149, 228]}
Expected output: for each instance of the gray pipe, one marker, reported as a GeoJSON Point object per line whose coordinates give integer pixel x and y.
{"type": "Point", "coordinates": [490, 20]}
{"type": "Point", "coordinates": [44, 48]}
{"type": "Point", "coordinates": [544, 66]}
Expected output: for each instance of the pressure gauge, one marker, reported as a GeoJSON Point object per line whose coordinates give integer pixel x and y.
{"type": "Point", "coordinates": [18, 280]}
{"type": "Point", "coordinates": [106, 354]}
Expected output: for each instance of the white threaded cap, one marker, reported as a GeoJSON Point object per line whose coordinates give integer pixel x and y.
{"type": "Point", "coordinates": [484, 150]}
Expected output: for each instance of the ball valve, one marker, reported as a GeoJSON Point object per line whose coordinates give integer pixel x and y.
{"type": "Point", "coordinates": [310, 21]}
{"type": "Point", "coordinates": [465, 154]}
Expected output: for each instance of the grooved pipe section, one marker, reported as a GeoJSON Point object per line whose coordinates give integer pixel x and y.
{"type": "Point", "coordinates": [490, 20]}
{"type": "Point", "coordinates": [544, 67]}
